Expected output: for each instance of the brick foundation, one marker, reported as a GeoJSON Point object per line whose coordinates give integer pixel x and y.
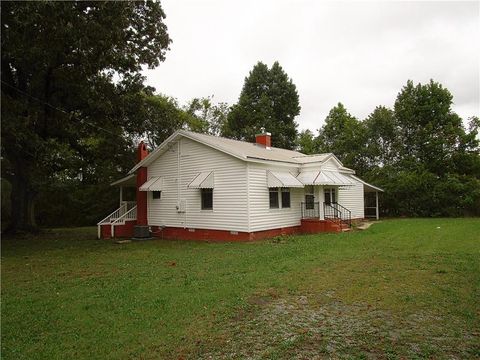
{"type": "Point", "coordinates": [123, 231]}
{"type": "Point", "coordinates": [175, 233]}
{"type": "Point", "coordinates": [312, 226]}
{"type": "Point", "coordinates": [308, 226]}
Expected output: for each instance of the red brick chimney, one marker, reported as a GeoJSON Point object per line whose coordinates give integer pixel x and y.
{"type": "Point", "coordinates": [142, 153]}
{"type": "Point", "coordinates": [264, 139]}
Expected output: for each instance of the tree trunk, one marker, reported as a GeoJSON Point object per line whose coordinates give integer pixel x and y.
{"type": "Point", "coordinates": [23, 204]}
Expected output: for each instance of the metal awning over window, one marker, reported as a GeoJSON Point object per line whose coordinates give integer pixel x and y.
{"type": "Point", "coordinates": [204, 180]}
{"type": "Point", "coordinates": [282, 179]}
{"type": "Point", "coordinates": [307, 177]}
{"type": "Point", "coordinates": [333, 178]}
{"type": "Point", "coordinates": [154, 184]}
{"type": "Point", "coordinates": [325, 177]}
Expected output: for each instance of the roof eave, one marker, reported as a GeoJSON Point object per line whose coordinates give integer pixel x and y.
{"type": "Point", "coordinates": [255, 159]}
{"type": "Point", "coordinates": [367, 184]}
{"type": "Point", "coordinates": [123, 180]}
{"type": "Point", "coordinates": [152, 156]}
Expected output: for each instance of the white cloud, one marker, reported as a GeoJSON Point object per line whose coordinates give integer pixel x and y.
{"type": "Point", "coordinates": [357, 53]}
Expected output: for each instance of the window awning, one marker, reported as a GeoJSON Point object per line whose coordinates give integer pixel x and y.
{"type": "Point", "coordinates": [282, 179]}
{"type": "Point", "coordinates": [325, 177]}
{"type": "Point", "coordinates": [333, 178]}
{"type": "Point", "coordinates": [204, 180]}
{"type": "Point", "coordinates": [307, 177]}
{"type": "Point", "coordinates": [154, 184]}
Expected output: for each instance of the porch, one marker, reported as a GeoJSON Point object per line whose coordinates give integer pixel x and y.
{"type": "Point", "coordinates": [121, 221]}
{"type": "Point", "coordinates": [328, 217]}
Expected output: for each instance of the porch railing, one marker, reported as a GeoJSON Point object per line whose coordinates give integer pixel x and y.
{"type": "Point", "coordinates": [130, 204]}
{"type": "Point", "coordinates": [337, 213]}
{"type": "Point", "coordinates": [129, 215]}
{"type": "Point", "coordinates": [126, 211]}
{"type": "Point", "coordinates": [125, 207]}
{"type": "Point", "coordinates": [114, 215]}
{"type": "Point", "coordinates": [310, 210]}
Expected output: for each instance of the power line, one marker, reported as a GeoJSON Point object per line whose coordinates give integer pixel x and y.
{"type": "Point", "coordinates": [56, 108]}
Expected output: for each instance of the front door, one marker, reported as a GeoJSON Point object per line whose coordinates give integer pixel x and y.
{"type": "Point", "coordinates": [330, 195]}
{"type": "Point", "coordinates": [331, 199]}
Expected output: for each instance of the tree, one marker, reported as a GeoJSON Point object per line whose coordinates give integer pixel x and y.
{"type": "Point", "coordinates": [421, 154]}
{"type": "Point", "coordinates": [162, 117]}
{"type": "Point", "coordinates": [206, 117]}
{"type": "Point", "coordinates": [429, 130]}
{"type": "Point", "coordinates": [343, 135]}
{"type": "Point", "coordinates": [306, 142]}
{"type": "Point", "coordinates": [269, 100]}
{"type": "Point", "coordinates": [382, 137]}
{"type": "Point", "coordinates": [71, 91]}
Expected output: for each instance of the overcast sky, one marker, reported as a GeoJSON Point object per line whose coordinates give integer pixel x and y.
{"type": "Point", "coordinates": [357, 53]}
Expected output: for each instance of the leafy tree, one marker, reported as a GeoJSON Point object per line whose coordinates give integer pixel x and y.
{"type": "Point", "coordinates": [430, 131]}
{"type": "Point", "coordinates": [269, 100]}
{"type": "Point", "coordinates": [206, 117]}
{"type": "Point", "coordinates": [343, 135]}
{"type": "Point", "coordinates": [382, 134]}
{"type": "Point", "coordinates": [71, 92]}
{"type": "Point", "coordinates": [162, 117]}
{"type": "Point", "coordinates": [466, 159]}
{"type": "Point", "coordinates": [420, 153]}
{"type": "Point", "coordinates": [306, 142]}
{"type": "Point", "coordinates": [430, 164]}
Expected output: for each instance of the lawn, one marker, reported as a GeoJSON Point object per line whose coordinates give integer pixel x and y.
{"type": "Point", "coordinates": [401, 289]}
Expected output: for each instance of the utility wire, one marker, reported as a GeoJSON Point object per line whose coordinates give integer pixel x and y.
{"type": "Point", "coordinates": [57, 108]}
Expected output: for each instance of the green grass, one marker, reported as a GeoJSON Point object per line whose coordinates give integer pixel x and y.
{"type": "Point", "coordinates": [403, 288]}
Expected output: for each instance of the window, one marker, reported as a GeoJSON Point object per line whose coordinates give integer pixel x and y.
{"type": "Point", "coordinates": [285, 197]}
{"type": "Point", "coordinates": [157, 194]}
{"type": "Point", "coordinates": [207, 199]}
{"type": "Point", "coordinates": [273, 198]}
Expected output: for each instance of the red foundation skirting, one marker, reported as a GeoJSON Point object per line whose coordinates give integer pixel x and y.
{"type": "Point", "coordinates": [308, 226]}
{"type": "Point", "coordinates": [125, 230]}
{"type": "Point", "coordinates": [314, 226]}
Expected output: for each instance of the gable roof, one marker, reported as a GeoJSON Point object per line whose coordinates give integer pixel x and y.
{"type": "Point", "coordinates": [240, 149]}
{"type": "Point", "coordinates": [243, 149]}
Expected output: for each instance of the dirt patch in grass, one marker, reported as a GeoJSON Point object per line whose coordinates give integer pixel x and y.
{"type": "Point", "coordinates": [318, 326]}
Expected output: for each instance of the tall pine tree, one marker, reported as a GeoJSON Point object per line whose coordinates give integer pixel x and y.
{"type": "Point", "coordinates": [268, 100]}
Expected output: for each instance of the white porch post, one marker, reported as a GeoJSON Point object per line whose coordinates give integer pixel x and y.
{"type": "Point", "coordinates": [121, 195]}
{"type": "Point", "coordinates": [321, 200]}
{"type": "Point", "coordinates": [376, 206]}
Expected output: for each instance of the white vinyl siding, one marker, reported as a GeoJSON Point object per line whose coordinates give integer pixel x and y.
{"type": "Point", "coordinates": [229, 194]}
{"type": "Point", "coordinates": [331, 164]}
{"type": "Point", "coordinates": [351, 197]}
{"type": "Point", "coordinates": [262, 217]}
{"type": "Point", "coordinates": [240, 193]}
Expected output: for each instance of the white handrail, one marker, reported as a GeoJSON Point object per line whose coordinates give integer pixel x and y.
{"type": "Point", "coordinates": [129, 204]}
{"type": "Point", "coordinates": [129, 215]}
{"type": "Point", "coordinates": [127, 211]}
{"type": "Point", "coordinates": [114, 215]}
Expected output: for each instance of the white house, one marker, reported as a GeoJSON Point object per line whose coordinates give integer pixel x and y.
{"type": "Point", "coordinates": [197, 186]}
